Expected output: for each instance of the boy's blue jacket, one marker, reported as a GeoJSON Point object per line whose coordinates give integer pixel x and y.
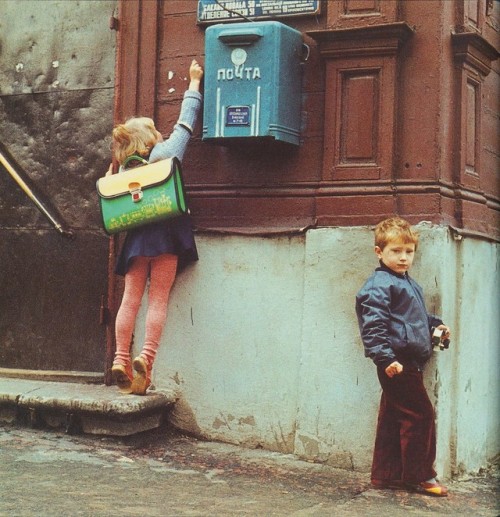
{"type": "Point", "coordinates": [393, 320]}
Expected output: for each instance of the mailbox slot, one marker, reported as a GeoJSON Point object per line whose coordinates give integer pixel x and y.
{"type": "Point", "coordinates": [234, 37]}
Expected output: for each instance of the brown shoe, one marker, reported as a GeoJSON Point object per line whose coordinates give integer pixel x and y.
{"type": "Point", "coordinates": [142, 380]}
{"type": "Point", "coordinates": [122, 375]}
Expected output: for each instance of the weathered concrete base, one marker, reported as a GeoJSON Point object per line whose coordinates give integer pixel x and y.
{"type": "Point", "coordinates": [76, 407]}
{"type": "Point", "coordinates": [263, 346]}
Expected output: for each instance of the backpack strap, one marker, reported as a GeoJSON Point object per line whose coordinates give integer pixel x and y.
{"type": "Point", "coordinates": [131, 158]}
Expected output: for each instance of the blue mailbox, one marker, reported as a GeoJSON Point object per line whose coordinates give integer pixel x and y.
{"type": "Point", "coordinates": [252, 82]}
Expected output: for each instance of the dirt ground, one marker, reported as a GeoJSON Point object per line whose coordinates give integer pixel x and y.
{"type": "Point", "coordinates": [163, 473]}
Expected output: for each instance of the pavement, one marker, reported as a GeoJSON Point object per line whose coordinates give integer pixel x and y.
{"type": "Point", "coordinates": [49, 473]}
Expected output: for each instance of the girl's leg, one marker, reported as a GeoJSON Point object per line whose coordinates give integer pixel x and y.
{"type": "Point", "coordinates": [135, 283]}
{"type": "Point", "coordinates": [163, 271]}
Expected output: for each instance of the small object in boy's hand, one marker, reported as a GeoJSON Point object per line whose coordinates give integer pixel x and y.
{"type": "Point", "coordinates": [439, 339]}
{"type": "Point", "coordinates": [437, 334]}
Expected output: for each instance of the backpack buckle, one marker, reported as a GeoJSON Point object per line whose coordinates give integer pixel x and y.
{"type": "Point", "coordinates": [135, 191]}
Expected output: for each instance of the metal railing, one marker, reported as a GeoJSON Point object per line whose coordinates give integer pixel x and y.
{"type": "Point", "coordinates": [18, 174]}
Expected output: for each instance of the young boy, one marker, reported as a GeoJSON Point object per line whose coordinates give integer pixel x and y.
{"type": "Point", "coordinates": [396, 332]}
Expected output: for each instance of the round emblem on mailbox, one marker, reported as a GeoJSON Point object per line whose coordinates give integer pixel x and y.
{"type": "Point", "coordinates": [238, 56]}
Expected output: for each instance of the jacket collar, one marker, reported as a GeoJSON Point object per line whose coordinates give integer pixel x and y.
{"type": "Point", "coordinates": [383, 267]}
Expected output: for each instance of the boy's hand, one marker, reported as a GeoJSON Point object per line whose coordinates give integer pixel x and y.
{"type": "Point", "coordinates": [446, 331]}
{"type": "Point", "coordinates": [393, 369]}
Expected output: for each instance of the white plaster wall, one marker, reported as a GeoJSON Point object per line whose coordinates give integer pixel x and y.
{"type": "Point", "coordinates": [338, 387]}
{"type": "Point", "coordinates": [477, 368]}
{"type": "Point", "coordinates": [434, 269]}
{"type": "Point", "coordinates": [263, 348]}
{"type": "Point", "coordinates": [461, 278]}
{"type": "Point", "coordinates": [232, 340]}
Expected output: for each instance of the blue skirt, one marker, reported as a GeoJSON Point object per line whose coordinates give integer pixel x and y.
{"type": "Point", "coordinates": [174, 236]}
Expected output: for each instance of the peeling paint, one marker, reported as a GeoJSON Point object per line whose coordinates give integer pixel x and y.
{"type": "Point", "coordinates": [310, 445]}
{"type": "Point", "coordinates": [249, 420]}
{"type": "Point", "coordinates": [217, 423]}
{"type": "Point", "coordinates": [223, 421]}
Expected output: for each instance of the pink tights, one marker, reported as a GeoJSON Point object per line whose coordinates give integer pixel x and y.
{"type": "Point", "coordinates": [162, 271]}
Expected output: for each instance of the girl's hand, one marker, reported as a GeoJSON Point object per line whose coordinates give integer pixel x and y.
{"type": "Point", "coordinates": [195, 75]}
{"type": "Point", "coordinates": [393, 369]}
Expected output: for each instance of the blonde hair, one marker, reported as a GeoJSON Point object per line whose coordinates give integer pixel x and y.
{"type": "Point", "coordinates": [394, 229]}
{"type": "Point", "coordinates": [137, 135]}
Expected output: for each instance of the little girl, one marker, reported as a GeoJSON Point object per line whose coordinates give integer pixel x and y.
{"type": "Point", "coordinates": [155, 250]}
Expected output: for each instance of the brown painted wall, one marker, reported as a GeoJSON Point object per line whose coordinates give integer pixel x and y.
{"type": "Point", "coordinates": [398, 116]}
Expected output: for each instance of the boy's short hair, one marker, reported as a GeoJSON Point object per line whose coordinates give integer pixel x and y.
{"type": "Point", "coordinates": [394, 229]}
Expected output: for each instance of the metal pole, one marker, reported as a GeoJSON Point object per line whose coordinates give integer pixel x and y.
{"type": "Point", "coordinates": [29, 192]}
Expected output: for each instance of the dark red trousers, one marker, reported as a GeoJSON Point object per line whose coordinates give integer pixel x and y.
{"type": "Point", "coordinates": [405, 446]}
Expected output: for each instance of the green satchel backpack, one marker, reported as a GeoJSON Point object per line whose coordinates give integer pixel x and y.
{"type": "Point", "coordinates": [142, 195]}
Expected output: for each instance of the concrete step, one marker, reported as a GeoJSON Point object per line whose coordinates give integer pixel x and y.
{"type": "Point", "coordinates": [53, 375]}
{"type": "Point", "coordinates": [81, 407]}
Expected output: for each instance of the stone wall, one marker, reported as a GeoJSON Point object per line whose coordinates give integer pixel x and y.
{"type": "Point", "coordinates": [57, 63]}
